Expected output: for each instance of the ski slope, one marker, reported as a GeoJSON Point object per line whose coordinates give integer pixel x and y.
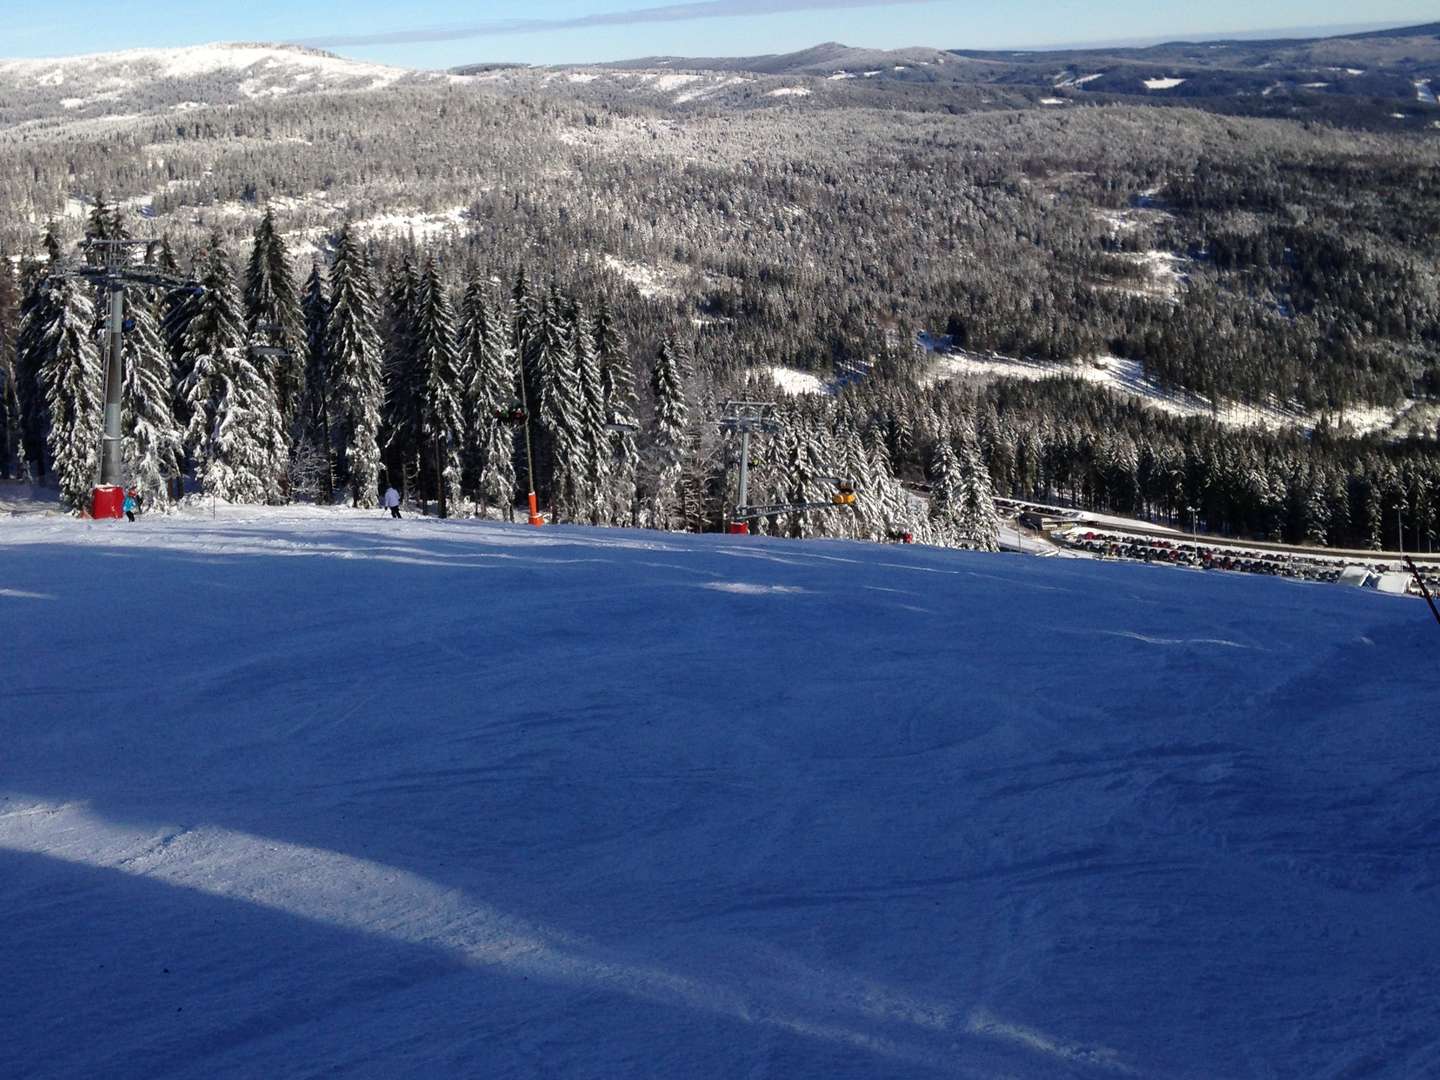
{"type": "Point", "coordinates": [300, 792]}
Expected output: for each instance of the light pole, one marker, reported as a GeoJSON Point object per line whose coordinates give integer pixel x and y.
{"type": "Point", "coordinates": [1195, 527]}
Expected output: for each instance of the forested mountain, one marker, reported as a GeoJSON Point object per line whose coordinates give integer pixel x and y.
{"type": "Point", "coordinates": [176, 80]}
{"type": "Point", "coordinates": [801, 213]}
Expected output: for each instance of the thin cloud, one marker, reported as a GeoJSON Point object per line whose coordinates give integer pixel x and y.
{"type": "Point", "coordinates": [705, 9]}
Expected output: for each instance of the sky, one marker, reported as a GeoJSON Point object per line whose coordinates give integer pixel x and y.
{"type": "Point", "coordinates": [444, 33]}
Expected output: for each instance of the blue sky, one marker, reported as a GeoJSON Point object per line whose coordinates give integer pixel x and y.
{"type": "Point", "coordinates": [442, 33]}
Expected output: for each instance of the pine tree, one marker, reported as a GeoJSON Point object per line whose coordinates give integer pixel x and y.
{"type": "Point", "coordinates": [617, 386]}
{"type": "Point", "coordinates": [977, 525]}
{"type": "Point", "coordinates": [559, 449]}
{"type": "Point", "coordinates": [352, 350]}
{"type": "Point", "coordinates": [70, 378]}
{"type": "Point", "coordinates": [315, 404]}
{"type": "Point", "coordinates": [483, 394]}
{"type": "Point", "coordinates": [402, 434]}
{"type": "Point", "coordinates": [490, 396]}
{"type": "Point", "coordinates": [10, 425]}
{"type": "Point", "coordinates": [272, 318]}
{"type": "Point", "coordinates": [594, 438]}
{"type": "Point", "coordinates": [802, 477]}
{"type": "Point", "coordinates": [39, 308]}
{"type": "Point", "coordinates": [667, 433]}
{"type": "Point", "coordinates": [235, 434]}
{"type": "Point", "coordinates": [437, 390]}
{"type": "Point", "coordinates": [151, 441]}
{"type": "Point", "coordinates": [177, 309]}
{"type": "Point", "coordinates": [946, 497]}
{"type": "Point", "coordinates": [497, 473]}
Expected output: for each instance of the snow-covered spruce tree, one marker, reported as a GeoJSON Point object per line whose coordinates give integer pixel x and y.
{"type": "Point", "coordinates": [70, 377]}
{"type": "Point", "coordinates": [1317, 509]}
{"type": "Point", "coordinates": [667, 434]}
{"type": "Point", "coordinates": [9, 400]}
{"type": "Point", "coordinates": [977, 525]}
{"type": "Point", "coordinates": [769, 473]}
{"type": "Point", "coordinates": [401, 434]}
{"type": "Point", "coordinates": [896, 511]}
{"type": "Point", "coordinates": [617, 386]}
{"type": "Point", "coordinates": [490, 361]}
{"type": "Point", "coordinates": [945, 495]}
{"type": "Point", "coordinates": [481, 397]}
{"type": "Point", "coordinates": [152, 443]}
{"type": "Point", "coordinates": [498, 480]}
{"type": "Point", "coordinates": [559, 451]}
{"type": "Point", "coordinates": [315, 402]}
{"type": "Point", "coordinates": [594, 438]}
{"type": "Point", "coordinates": [235, 434]}
{"type": "Point", "coordinates": [273, 318]}
{"type": "Point", "coordinates": [352, 351]}
{"type": "Point", "coordinates": [864, 520]}
{"type": "Point", "coordinates": [177, 309]}
{"type": "Point", "coordinates": [37, 309]}
{"type": "Point", "coordinates": [104, 222]}
{"type": "Point", "coordinates": [802, 476]}
{"type": "Point", "coordinates": [438, 390]}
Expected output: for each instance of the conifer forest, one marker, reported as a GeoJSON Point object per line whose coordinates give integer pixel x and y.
{"type": "Point", "coordinates": [394, 283]}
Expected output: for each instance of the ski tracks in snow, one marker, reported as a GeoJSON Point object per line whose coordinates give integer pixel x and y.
{"type": "Point", "coordinates": [754, 984]}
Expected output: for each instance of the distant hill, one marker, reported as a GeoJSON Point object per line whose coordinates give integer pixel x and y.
{"type": "Point", "coordinates": [153, 80]}
{"type": "Point", "coordinates": [824, 59]}
{"type": "Point", "coordinates": [1367, 79]}
{"type": "Point", "coordinates": [1389, 65]}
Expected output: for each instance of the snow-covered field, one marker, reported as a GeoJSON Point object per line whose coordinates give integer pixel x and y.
{"type": "Point", "coordinates": [1127, 378]}
{"type": "Point", "coordinates": [301, 792]}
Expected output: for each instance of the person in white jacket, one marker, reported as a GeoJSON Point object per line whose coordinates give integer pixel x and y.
{"type": "Point", "coordinates": [391, 501]}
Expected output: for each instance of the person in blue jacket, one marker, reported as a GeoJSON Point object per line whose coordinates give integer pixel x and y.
{"type": "Point", "coordinates": [130, 504]}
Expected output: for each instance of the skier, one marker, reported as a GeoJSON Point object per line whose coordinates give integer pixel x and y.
{"type": "Point", "coordinates": [392, 502]}
{"type": "Point", "coordinates": [130, 504]}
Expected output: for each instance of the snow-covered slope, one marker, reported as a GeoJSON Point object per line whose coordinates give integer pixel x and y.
{"type": "Point", "coordinates": [302, 792]}
{"type": "Point", "coordinates": [147, 80]}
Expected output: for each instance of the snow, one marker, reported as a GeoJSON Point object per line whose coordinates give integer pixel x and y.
{"type": "Point", "coordinates": [326, 793]}
{"type": "Point", "coordinates": [673, 81]}
{"type": "Point", "coordinates": [1127, 378]}
{"type": "Point", "coordinates": [191, 61]}
{"type": "Point", "coordinates": [790, 91]}
{"type": "Point", "coordinates": [1052, 101]}
{"type": "Point", "coordinates": [792, 382]}
{"type": "Point", "coordinates": [422, 225]}
{"type": "Point", "coordinates": [259, 71]}
{"type": "Point", "coordinates": [710, 88]}
{"type": "Point", "coordinates": [649, 281]}
{"type": "Point", "coordinates": [1423, 92]}
{"type": "Point", "coordinates": [1164, 269]}
{"type": "Point", "coordinates": [1065, 79]}
{"type": "Point", "coordinates": [1162, 84]}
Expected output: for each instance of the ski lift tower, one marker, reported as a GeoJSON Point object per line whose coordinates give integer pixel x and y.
{"type": "Point", "coordinates": [111, 270]}
{"type": "Point", "coordinates": [746, 418]}
{"type": "Point", "coordinates": [758, 417]}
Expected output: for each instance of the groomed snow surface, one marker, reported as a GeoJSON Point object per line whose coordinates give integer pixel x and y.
{"type": "Point", "coordinates": [307, 792]}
